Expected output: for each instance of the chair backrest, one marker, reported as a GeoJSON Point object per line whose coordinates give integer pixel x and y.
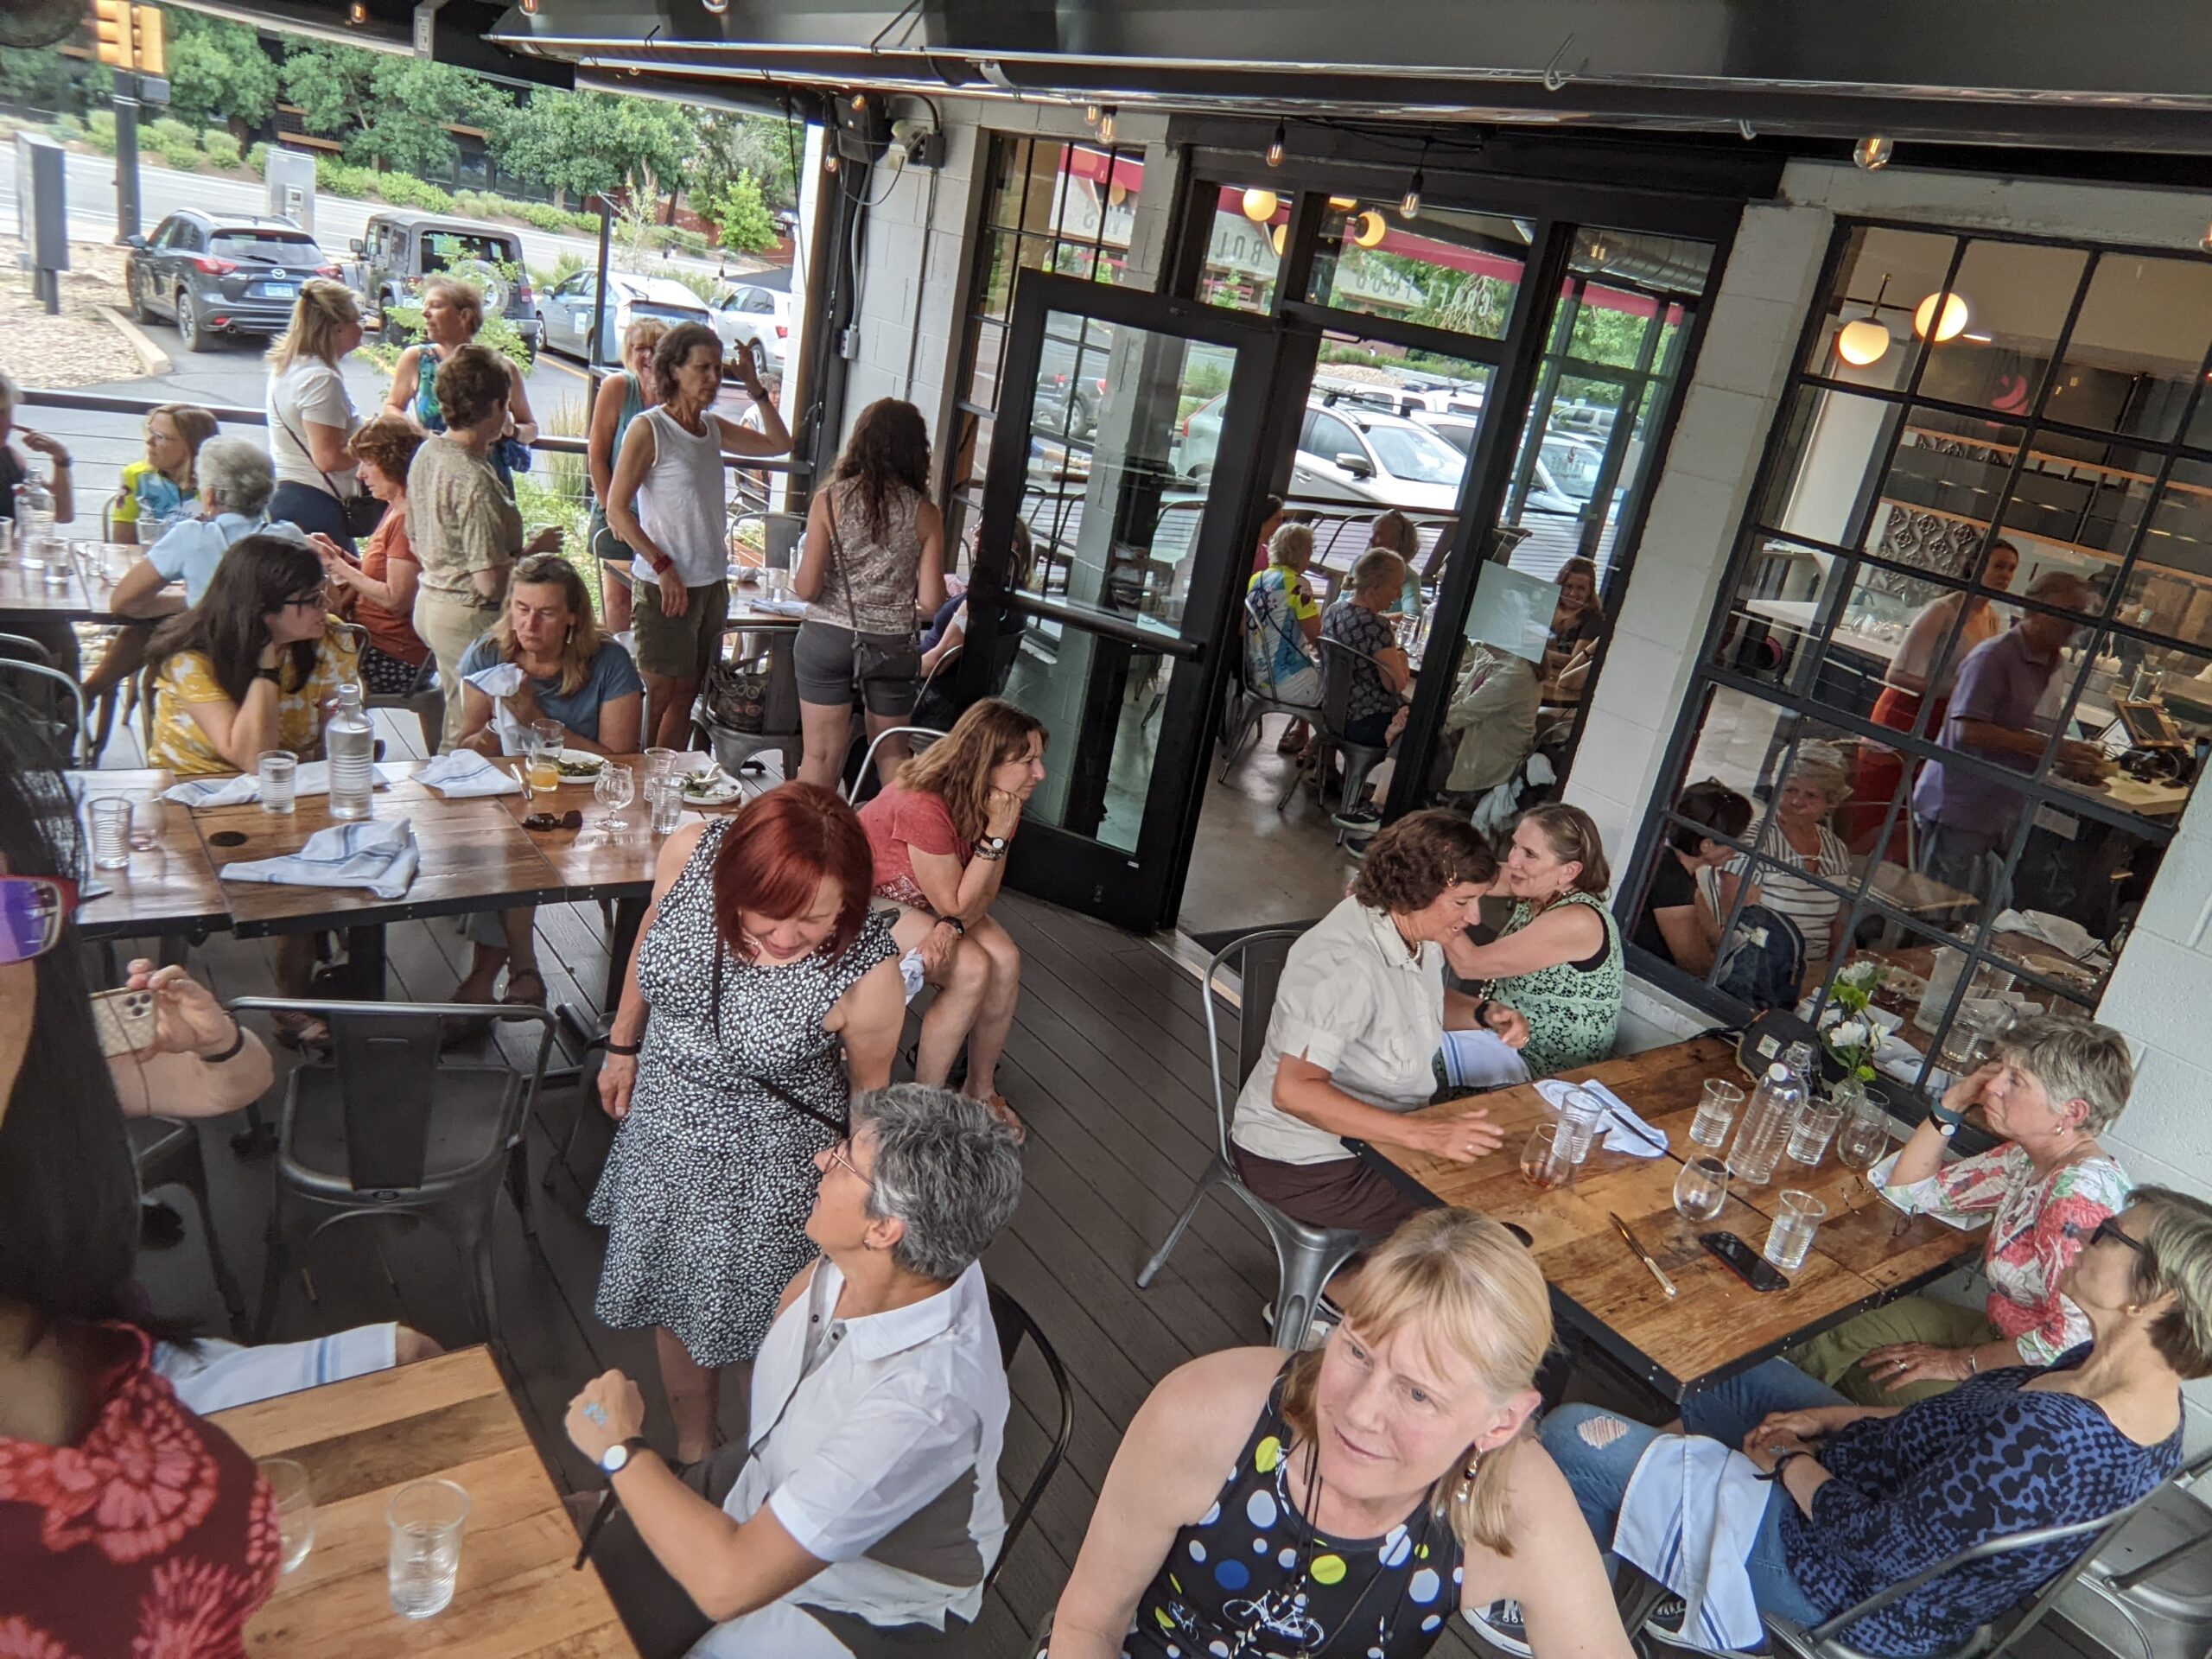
{"type": "Point", "coordinates": [1339, 663]}
{"type": "Point", "coordinates": [48, 688]}
{"type": "Point", "coordinates": [1257, 961]}
{"type": "Point", "coordinates": [926, 734]}
{"type": "Point", "coordinates": [390, 1066]}
{"type": "Point", "coordinates": [1013, 1325]}
{"type": "Point", "coordinates": [780, 534]}
{"type": "Point", "coordinates": [1266, 631]}
{"type": "Point", "coordinates": [23, 649]}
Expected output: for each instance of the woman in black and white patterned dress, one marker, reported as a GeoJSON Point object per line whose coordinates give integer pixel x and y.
{"type": "Point", "coordinates": [763, 994]}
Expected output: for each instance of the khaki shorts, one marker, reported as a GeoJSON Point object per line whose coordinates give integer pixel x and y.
{"type": "Point", "coordinates": [679, 647]}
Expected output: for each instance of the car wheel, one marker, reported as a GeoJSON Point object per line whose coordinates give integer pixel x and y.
{"type": "Point", "coordinates": [188, 326]}
{"type": "Point", "coordinates": [140, 311]}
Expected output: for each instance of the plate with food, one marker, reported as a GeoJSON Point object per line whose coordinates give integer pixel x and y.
{"type": "Point", "coordinates": [711, 787]}
{"type": "Point", "coordinates": [579, 763]}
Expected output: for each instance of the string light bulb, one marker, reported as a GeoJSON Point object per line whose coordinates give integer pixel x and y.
{"type": "Point", "coordinates": [530, 8]}
{"type": "Point", "coordinates": [358, 13]}
{"type": "Point", "coordinates": [715, 8]}
{"type": "Point", "coordinates": [1873, 154]}
{"type": "Point", "coordinates": [1277, 146]}
{"type": "Point", "coordinates": [1409, 204]}
{"type": "Point", "coordinates": [830, 161]}
{"type": "Point", "coordinates": [1091, 114]}
{"type": "Point", "coordinates": [1106, 125]}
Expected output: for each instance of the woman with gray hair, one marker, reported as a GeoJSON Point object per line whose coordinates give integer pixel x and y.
{"type": "Point", "coordinates": [1798, 843]}
{"type": "Point", "coordinates": [2053, 1083]}
{"type": "Point", "coordinates": [865, 1511]}
{"type": "Point", "coordinates": [236, 481]}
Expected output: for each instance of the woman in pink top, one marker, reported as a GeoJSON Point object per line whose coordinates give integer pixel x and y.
{"type": "Point", "coordinates": [939, 833]}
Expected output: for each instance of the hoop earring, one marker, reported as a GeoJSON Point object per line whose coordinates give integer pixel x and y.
{"type": "Point", "coordinates": [1466, 1488]}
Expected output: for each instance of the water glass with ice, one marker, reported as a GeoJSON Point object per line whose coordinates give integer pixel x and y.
{"type": "Point", "coordinates": [1796, 1218]}
{"type": "Point", "coordinates": [110, 817]}
{"type": "Point", "coordinates": [287, 1484]}
{"type": "Point", "coordinates": [1716, 1111]}
{"type": "Point", "coordinates": [663, 805]}
{"type": "Point", "coordinates": [426, 1517]}
{"type": "Point", "coordinates": [280, 777]}
{"type": "Point", "coordinates": [1816, 1126]}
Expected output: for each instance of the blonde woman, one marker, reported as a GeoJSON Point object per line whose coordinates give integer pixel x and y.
{"type": "Point", "coordinates": [939, 835]}
{"type": "Point", "coordinates": [311, 415]}
{"type": "Point", "coordinates": [158, 491]}
{"type": "Point", "coordinates": [1372, 1486]}
{"type": "Point", "coordinates": [453, 312]}
{"type": "Point", "coordinates": [622, 396]}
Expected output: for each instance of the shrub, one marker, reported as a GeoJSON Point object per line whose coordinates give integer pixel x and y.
{"type": "Point", "coordinates": [704, 283]}
{"type": "Point", "coordinates": [404, 190]}
{"type": "Point", "coordinates": [221, 147]}
{"type": "Point", "coordinates": [167, 132]}
{"type": "Point", "coordinates": [99, 131]}
{"type": "Point", "coordinates": [184, 158]}
{"type": "Point", "coordinates": [566, 264]}
{"type": "Point", "coordinates": [256, 159]}
{"type": "Point", "coordinates": [676, 237]}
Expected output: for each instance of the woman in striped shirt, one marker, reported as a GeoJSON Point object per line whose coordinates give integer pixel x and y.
{"type": "Point", "coordinates": [1798, 843]}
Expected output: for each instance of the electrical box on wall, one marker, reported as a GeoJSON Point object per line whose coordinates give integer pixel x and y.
{"type": "Point", "coordinates": [863, 126]}
{"type": "Point", "coordinates": [920, 142]}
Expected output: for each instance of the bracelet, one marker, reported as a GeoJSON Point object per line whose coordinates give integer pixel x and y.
{"type": "Point", "coordinates": [959, 927]}
{"type": "Point", "coordinates": [627, 1051]}
{"type": "Point", "coordinates": [1973, 1364]}
{"type": "Point", "coordinates": [1781, 1464]}
{"type": "Point", "coordinates": [1482, 1012]}
{"type": "Point", "coordinates": [990, 857]}
{"type": "Point", "coordinates": [237, 1047]}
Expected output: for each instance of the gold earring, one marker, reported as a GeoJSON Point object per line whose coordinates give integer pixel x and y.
{"type": "Point", "coordinates": [1467, 1492]}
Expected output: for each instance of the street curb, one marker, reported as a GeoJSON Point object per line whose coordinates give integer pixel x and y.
{"type": "Point", "coordinates": [152, 358]}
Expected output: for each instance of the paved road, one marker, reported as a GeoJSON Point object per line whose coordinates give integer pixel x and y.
{"type": "Point", "coordinates": [89, 181]}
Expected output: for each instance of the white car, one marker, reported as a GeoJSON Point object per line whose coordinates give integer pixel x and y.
{"type": "Point", "coordinates": [760, 317]}
{"type": "Point", "coordinates": [1348, 452]}
{"type": "Point", "coordinates": [569, 309]}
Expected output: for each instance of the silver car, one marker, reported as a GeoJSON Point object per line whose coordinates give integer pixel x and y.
{"type": "Point", "coordinates": [569, 309]}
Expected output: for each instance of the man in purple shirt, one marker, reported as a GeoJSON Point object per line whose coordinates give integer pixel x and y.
{"type": "Point", "coordinates": [1963, 815]}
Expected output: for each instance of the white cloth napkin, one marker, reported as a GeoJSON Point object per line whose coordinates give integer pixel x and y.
{"type": "Point", "coordinates": [379, 854]}
{"type": "Point", "coordinates": [774, 606]}
{"type": "Point", "coordinates": [1690, 1517]}
{"type": "Point", "coordinates": [2064, 933]}
{"type": "Point", "coordinates": [463, 774]}
{"type": "Point", "coordinates": [1624, 1130]}
{"type": "Point", "coordinates": [312, 777]}
{"type": "Point", "coordinates": [499, 682]}
{"type": "Point", "coordinates": [1480, 1060]}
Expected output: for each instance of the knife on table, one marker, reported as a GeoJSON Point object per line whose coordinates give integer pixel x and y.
{"type": "Point", "coordinates": [1642, 1254]}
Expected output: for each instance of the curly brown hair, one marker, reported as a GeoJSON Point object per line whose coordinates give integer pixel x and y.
{"type": "Point", "coordinates": [674, 348]}
{"type": "Point", "coordinates": [890, 446]}
{"type": "Point", "coordinates": [389, 443]}
{"type": "Point", "coordinates": [470, 385]}
{"type": "Point", "coordinates": [1413, 860]}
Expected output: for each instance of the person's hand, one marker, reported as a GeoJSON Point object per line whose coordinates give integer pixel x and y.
{"type": "Point", "coordinates": [1397, 724]}
{"type": "Point", "coordinates": [610, 1411]}
{"type": "Point", "coordinates": [1461, 1140]}
{"type": "Point", "coordinates": [675, 597]}
{"type": "Point", "coordinates": [1800, 1427]}
{"type": "Point", "coordinates": [1511, 1025]}
{"type": "Point", "coordinates": [936, 950]}
{"type": "Point", "coordinates": [1903, 1363]}
{"type": "Point", "coordinates": [547, 540]}
{"type": "Point", "coordinates": [522, 704]}
{"type": "Point", "coordinates": [1766, 1450]}
{"type": "Point", "coordinates": [39, 443]}
{"type": "Point", "coordinates": [1001, 813]}
{"type": "Point", "coordinates": [331, 554]}
{"type": "Point", "coordinates": [748, 375]}
{"type": "Point", "coordinates": [187, 1019]}
{"type": "Point", "coordinates": [1966, 1091]}
{"type": "Point", "coordinates": [2082, 761]}
{"type": "Point", "coordinates": [617, 1077]}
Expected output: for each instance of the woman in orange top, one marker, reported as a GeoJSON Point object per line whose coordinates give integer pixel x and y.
{"type": "Point", "coordinates": [379, 591]}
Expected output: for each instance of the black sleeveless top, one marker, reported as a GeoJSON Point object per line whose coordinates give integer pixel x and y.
{"type": "Point", "coordinates": [1253, 1580]}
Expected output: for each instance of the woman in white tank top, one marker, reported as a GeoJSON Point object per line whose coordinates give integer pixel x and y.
{"type": "Point", "coordinates": [666, 503]}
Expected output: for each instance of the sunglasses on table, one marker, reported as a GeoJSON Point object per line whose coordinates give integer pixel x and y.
{"type": "Point", "coordinates": [2109, 1228]}
{"type": "Point", "coordinates": [34, 909]}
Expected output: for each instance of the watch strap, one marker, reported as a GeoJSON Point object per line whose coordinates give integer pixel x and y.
{"type": "Point", "coordinates": [630, 1447]}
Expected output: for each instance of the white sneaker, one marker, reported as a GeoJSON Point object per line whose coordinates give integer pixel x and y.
{"type": "Point", "coordinates": [1501, 1626]}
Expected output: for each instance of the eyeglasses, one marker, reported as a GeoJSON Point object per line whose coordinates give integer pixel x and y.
{"type": "Point", "coordinates": [318, 600]}
{"type": "Point", "coordinates": [34, 909]}
{"type": "Point", "coordinates": [2109, 1228]}
{"type": "Point", "coordinates": [838, 1156]}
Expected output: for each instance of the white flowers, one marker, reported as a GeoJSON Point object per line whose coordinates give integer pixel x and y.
{"type": "Point", "coordinates": [1864, 974]}
{"type": "Point", "coordinates": [1847, 1034]}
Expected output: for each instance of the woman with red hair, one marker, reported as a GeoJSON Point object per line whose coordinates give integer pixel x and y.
{"type": "Point", "coordinates": [764, 992]}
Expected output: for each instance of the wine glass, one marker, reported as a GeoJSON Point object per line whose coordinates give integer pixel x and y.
{"type": "Point", "coordinates": [615, 789]}
{"type": "Point", "coordinates": [1701, 1189]}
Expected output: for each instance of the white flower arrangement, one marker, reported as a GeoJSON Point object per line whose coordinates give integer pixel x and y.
{"type": "Point", "coordinates": [1850, 1038]}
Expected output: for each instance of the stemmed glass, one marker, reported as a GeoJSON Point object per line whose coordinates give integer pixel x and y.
{"type": "Point", "coordinates": [1701, 1189]}
{"type": "Point", "coordinates": [614, 790]}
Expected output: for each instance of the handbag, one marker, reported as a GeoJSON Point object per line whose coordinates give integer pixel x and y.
{"type": "Point", "coordinates": [362, 512]}
{"type": "Point", "coordinates": [736, 697]}
{"type": "Point", "coordinates": [872, 661]}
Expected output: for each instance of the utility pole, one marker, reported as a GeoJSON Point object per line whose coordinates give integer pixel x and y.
{"type": "Point", "coordinates": [128, 39]}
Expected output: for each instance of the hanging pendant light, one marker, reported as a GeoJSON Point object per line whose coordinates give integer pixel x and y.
{"type": "Point", "coordinates": [1279, 239]}
{"type": "Point", "coordinates": [715, 8]}
{"type": "Point", "coordinates": [1947, 322]}
{"type": "Point", "coordinates": [1091, 114]}
{"type": "Point", "coordinates": [1863, 342]}
{"type": "Point", "coordinates": [1276, 147]}
{"type": "Point", "coordinates": [1371, 229]}
{"type": "Point", "coordinates": [1260, 205]}
{"type": "Point", "coordinates": [1106, 125]}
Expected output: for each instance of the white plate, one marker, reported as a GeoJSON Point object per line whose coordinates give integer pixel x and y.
{"type": "Point", "coordinates": [580, 763]}
{"type": "Point", "coordinates": [718, 791]}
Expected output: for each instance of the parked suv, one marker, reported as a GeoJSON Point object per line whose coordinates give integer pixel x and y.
{"type": "Point", "coordinates": [227, 274]}
{"type": "Point", "coordinates": [398, 249]}
{"type": "Point", "coordinates": [749, 313]}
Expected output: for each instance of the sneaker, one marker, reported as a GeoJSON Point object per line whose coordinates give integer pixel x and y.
{"type": "Point", "coordinates": [1664, 1623]}
{"type": "Point", "coordinates": [1358, 817]}
{"type": "Point", "coordinates": [1501, 1626]}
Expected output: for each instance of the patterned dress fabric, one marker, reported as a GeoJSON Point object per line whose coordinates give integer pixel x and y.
{"type": "Point", "coordinates": [705, 1191]}
{"type": "Point", "coordinates": [182, 744]}
{"type": "Point", "coordinates": [1252, 1580]}
{"type": "Point", "coordinates": [152, 1536]}
{"type": "Point", "coordinates": [1572, 1012]}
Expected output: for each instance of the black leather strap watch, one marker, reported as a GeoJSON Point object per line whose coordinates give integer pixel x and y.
{"type": "Point", "coordinates": [616, 1458]}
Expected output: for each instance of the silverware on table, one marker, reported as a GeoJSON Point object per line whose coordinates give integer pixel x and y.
{"type": "Point", "coordinates": [1642, 1254]}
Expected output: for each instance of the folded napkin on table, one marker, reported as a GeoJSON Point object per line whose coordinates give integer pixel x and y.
{"type": "Point", "coordinates": [1625, 1131]}
{"type": "Point", "coordinates": [312, 777]}
{"type": "Point", "coordinates": [1480, 1060]}
{"type": "Point", "coordinates": [379, 854]}
{"type": "Point", "coordinates": [2062, 932]}
{"type": "Point", "coordinates": [499, 682]}
{"type": "Point", "coordinates": [463, 774]}
{"type": "Point", "coordinates": [774, 606]}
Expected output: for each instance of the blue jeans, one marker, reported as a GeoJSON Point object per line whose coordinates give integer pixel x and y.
{"type": "Point", "coordinates": [1599, 1473]}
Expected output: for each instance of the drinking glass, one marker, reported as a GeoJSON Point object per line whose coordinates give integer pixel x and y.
{"type": "Point", "coordinates": [615, 787]}
{"type": "Point", "coordinates": [1963, 1052]}
{"type": "Point", "coordinates": [659, 763]}
{"type": "Point", "coordinates": [1816, 1125]}
{"type": "Point", "coordinates": [110, 817]}
{"type": "Point", "coordinates": [1545, 1161]}
{"type": "Point", "coordinates": [663, 805]}
{"type": "Point", "coordinates": [1701, 1189]}
{"type": "Point", "coordinates": [280, 770]}
{"type": "Point", "coordinates": [1715, 1112]}
{"type": "Point", "coordinates": [287, 1484]}
{"type": "Point", "coordinates": [146, 826]}
{"type": "Point", "coordinates": [1796, 1218]}
{"type": "Point", "coordinates": [426, 1517]}
{"type": "Point", "coordinates": [1864, 1138]}
{"type": "Point", "coordinates": [1579, 1113]}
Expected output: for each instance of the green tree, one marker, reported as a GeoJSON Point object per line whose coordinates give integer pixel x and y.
{"type": "Point", "coordinates": [389, 112]}
{"type": "Point", "coordinates": [591, 143]}
{"type": "Point", "coordinates": [731, 144]}
{"type": "Point", "coordinates": [739, 214]}
{"type": "Point", "coordinates": [219, 73]}
{"type": "Point", "coordinates": [40, 78]}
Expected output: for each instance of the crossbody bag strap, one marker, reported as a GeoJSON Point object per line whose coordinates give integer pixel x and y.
{"type": "Point", "coordinates": [837, 564]}
{"type": "Point", "coordinates": [304, 450]}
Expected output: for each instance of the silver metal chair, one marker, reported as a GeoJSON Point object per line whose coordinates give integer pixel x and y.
{"type": "Point", "coordinates": [423, 699]}
{"type": "Point", "coordinates": [393, 1125]}
{"type": "Point", "coordinates": [1257, 701]}
{"type": "Point", "coordinates": [165, 1150]}
{"type": "Point", "coordinates": [780, 536]}
{"type": "Point", "coordinates": [779, 717]}
{"type": "Point", "coordinates": [2149, 1588]}
{"type": "Point", "coordinates": [1339, 663]}
{"type": "Point", "coordinates": [36, 684]}
{"type": "Point", "coordinates": [1305, 1256]}
{"type": "Point", "coordinates": [918, 738]}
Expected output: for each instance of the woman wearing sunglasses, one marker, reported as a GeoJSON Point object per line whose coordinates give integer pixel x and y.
{"type": "Point", "coordinates": [1857, 1498]}
{"type": "Point", "coordinates": [127, 1523]}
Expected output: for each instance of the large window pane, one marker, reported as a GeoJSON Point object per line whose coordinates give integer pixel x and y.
{"type": "Point", "coordinates": [2170, 590]}
{"type": "Point", "coordinates": [2137, 350]}
{"type": "Point", "coordinates": [1244, 247]}
{"type": "Point", "coordinates": [1837, 442]}
{"type": "Point", "coordinates": [1882, 276]}
{"type": "Point", "coordinates": [2080, 501]}
{"type": "Point", "coordinates": [1945, 484]}
{"type": "Point", "coordinates": [1445, 269]}
{"type": "Point", "coordinates": [2009, 303]}
{"type": "Point", "coordinates": [1776, 612]}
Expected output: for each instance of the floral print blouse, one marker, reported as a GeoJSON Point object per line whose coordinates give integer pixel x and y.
{"type": "Point", "coordinates": [2037, 1225]}
{"type": "Point", "coordinates": [152, 1536]}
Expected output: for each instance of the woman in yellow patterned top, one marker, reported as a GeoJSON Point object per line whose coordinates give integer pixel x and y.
{"type": "Point", "coordinates": [252, 666]}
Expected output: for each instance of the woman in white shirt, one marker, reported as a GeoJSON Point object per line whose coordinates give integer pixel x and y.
{"type": "Point", "coordinates": [311, 415]}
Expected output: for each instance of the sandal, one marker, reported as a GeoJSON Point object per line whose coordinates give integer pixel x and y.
{"type": "Point", "coordinates": [1008, 1116]}
{"type": "Point", "coordinates": [529, 977]}
{"type": "Point", "coordinates": [302, 1032]}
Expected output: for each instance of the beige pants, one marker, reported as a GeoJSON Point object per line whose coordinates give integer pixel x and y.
{"type": "Point", "coordinates": [449, 624]}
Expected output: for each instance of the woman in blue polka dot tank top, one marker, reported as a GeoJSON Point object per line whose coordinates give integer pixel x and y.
{"type": "Point", "coordinates": [1343, 1503]}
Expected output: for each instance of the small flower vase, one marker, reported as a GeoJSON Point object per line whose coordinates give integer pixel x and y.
{"type": "Point", "coordinates": [1848, 1092]}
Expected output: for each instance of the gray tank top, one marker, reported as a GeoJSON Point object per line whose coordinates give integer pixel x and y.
{"type": "Point", "coordinates": [873, 583]}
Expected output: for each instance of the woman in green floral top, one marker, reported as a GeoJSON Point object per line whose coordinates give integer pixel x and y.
{"type": "Point", "coordinates": [1558, 960]}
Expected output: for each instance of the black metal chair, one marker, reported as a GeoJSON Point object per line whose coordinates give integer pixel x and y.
{"type": "Point", "coordinates": [1305, 1256]}
{"type": "Point", "coordinates": [166, 1152]}
{"type": "Point", "coordinates": [1257, 700]}
{"type": "Point", "coordinates": [1014, 1324]}
{"type": "Point", "coordinates": [1339, 665]}
{"type": "Point", "coordinates": [392, 1124]}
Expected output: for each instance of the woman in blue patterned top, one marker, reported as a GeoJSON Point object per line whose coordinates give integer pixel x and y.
{"type": "Point", "coordinates": [1864, 1496]}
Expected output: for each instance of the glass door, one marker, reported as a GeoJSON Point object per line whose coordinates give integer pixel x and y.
{"type": "Point", "coordinates": [1112, 550]}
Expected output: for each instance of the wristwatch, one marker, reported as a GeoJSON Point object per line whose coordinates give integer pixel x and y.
{"type": "Point", "coordinates": [616, 1458]}
{"type": "Point", "coordinates": [992, 846]}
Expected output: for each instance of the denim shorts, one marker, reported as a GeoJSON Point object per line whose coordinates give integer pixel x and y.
{"type": "Point", "coordinates": [822, 658]}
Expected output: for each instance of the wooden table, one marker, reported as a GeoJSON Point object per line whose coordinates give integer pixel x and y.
{"type": "Point", "coordinates": [26, 595]}
{"type": "Point", "coordinates": [359, 1441]}
{"type": "Point", "coordinates": [1717, 1326]}
{"type": "Point", "coordinates": [168, 889]}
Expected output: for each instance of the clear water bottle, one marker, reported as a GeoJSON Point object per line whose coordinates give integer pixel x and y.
{"type": "Point", "coordinates": [349, 742]}
{"type": "Point", "coordinates": [1767, 1124]}
{"type": "Point", "coordinates": [35, 519]}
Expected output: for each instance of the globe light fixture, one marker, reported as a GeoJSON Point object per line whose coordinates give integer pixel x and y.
{"type": "Point", "coordinates": [1371, 229]}
{"type": "Point", "coordinates": [1260, 205]}
{"type": "Point", "coordinates": [1935, 324]}
{"type": "Point", "coordinates": [1278, 237]}
{"type": "Point", "coordinates": [1863, 342]}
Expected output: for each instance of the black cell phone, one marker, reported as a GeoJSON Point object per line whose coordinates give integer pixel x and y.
{"type": "Point", "coordinates": [1746, 1263]}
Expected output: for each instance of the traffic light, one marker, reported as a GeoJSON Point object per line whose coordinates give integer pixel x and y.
{"type": "Point", "coordinates": [146, 40]}
{"type": "Point", "coordinates": [111, 31]}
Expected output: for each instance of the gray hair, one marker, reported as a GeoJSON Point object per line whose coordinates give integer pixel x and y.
{"type": "Point", "coordinates": [11, 395]}
{"type": "Point", "coordinates": [1376, 569]}
{"type": "Point", "coordinates": [235, 473]}
{"type": "Point", "coordinates": [1821, 765]}
{"type": "Point", "coordinates": [2073, 1058]}
{"type": "Point", "coordinates": [946, 1167]}
{"type": "Point", "coordinates": [2060, 587]}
